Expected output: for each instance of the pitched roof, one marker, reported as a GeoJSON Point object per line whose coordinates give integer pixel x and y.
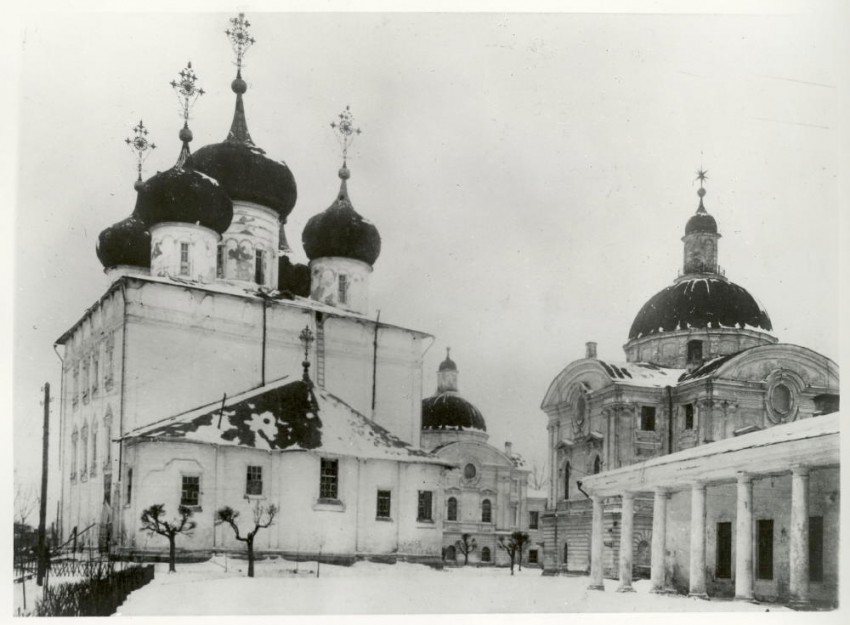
{"type": "Point", "coordinates": [641, 374]}
{"type": "Point", "coordinates": [281, 416]}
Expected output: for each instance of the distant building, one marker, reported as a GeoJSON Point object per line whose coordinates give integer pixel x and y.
{"type": "Point", "coordinates": [183, 384]}
{"type": "Point", "coordinates": [706, 447]}
{"type": "Point", "coordinates": [486, 496]}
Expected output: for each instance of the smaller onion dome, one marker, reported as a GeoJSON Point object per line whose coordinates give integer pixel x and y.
{"type": "Point", "coordinates": [127, 242]}
{"type": "Point", "coordinates": [701, 221]}
{"type": "Point", "coordinates": [448, 364]}
{"type": "Point", "coordinates": [341, 231]}
{"type": "Point", "coordinates": [450, 411]}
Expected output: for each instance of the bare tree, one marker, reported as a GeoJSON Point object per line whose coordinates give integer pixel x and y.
{"type": "Point", "coordinates": [538, 479]}
{"type": "Point", "coordinates": [466, 545]}
{"type": "Point", "coordinates": [514, 546]}
{"type": "Point", "coordinates": [152, 522]}
{"type": "Point", "coordinates": [26, 500]}
{"type": "Point", "coordinates": [263, 517]}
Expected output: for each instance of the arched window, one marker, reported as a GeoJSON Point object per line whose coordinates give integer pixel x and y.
{"type": "Point", "coordinates": [486, 511]}
{"type": "Point", "coordinates": [452, 512]}
{"type": "Point", "coordinates": [485, 554]}
{"type": "Point", "coordinates": [93, 447]}
{"type": "Point", "coordinates": [451, 554]}
{"type": "Point", "coordinates": [566, 552]}
{"type": "Point", "coordinates": [84, 439]}
{"type": "Point", "coordinates": [694, 351]}
{"type": "Point", "coordinates": [567, 481]}
{"type": "Point", "coordinates": [74, 437]}
{"type": "Point", "coordinates": [597, 465]}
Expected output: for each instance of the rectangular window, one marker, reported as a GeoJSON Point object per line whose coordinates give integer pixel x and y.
{"type": "Point", "coordinates": [95, 374]}
{"type": "Point", "coordinates": [184, 259]}
{"type": "Point", "coordinates": [259, 267]}
{"type": "Point", "coordinates": [129, 486]}
{"type": "Point", "coordinates": [76, 384]}
{"type": "Point", "coordinates": [533, 520]}
{"type": "Point", "coordinates": [424, 511]}
{"type": "Point", "coordinates": [384, 502]}
{"type": "Point", "coordinates": [190, 494]}
{"type": "Point", "coordinates": [764, 566]}
{"type": "Point", "coordinates": [816, 548]}
{"type": "Point", "coordinates": [343, 288]}
{"type": "Point", "coordinates": [219, 261]}
{"type": "Point", "coordinates": [329, 479]}
{"type": "Point", "coordinates": [107, 489]}
{"type": "Point", "coordinates": [647, 418]}
{"type": "Point", "coordinates": [107, 375]}
{"type": "Point", "coordinates": [532, 556]}
{"type": "Point", "coordinates": [694, 351]}
{"type": "Point", "coordinates": [689, 417]}
{"type": "Point", "coordinates": [86, 380]}
{"type": "Point", "coordinates": [723, 568]}
{"type": "Point", "coordinates": [108, 442]}
{"type": "Point", "coordinates": [254, 481]}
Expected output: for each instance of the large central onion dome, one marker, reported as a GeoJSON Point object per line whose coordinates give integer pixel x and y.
{"type": "Point", "coordinates": [341, 231]}
{"type": "Point", "coordinates": [127, 242]}
{"type": "Point", "coordinates": [243, 169]}
{"type": "Point", "coordinates": [700, 302]}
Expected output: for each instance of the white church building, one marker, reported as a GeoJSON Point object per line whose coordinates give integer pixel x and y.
{"type": "Point", "coordinates": [184, 384]}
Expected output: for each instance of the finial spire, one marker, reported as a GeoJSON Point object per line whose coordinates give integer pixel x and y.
{"type": "Point", "coordinates": [142, 147]}
{"type": "Point", "coordinates": [187, 94]}
{"type": "Point", "coordinates": [306, 337]}
{"type": "Point", "coordinates": [702, 177]}
{"type": "Point", "coordinates": [240, 39]}
{"type": "Point", "coordinates": [345, 134]}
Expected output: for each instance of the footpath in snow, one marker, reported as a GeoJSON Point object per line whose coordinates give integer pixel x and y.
{"type": "Point", "coordinates": [284, 587]}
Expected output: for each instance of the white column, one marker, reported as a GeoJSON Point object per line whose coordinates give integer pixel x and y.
{"type": "Point", "coordinates": [596, 546]}
{"type": "Point", "coordinates": [799, 539]}
{"type": "Point", "coordinates": [744, 539]}
{"type": "Point", "coordinates": [626, 542]}
{"type": "Point", "coordinates": [659, 539]}
{"type": "Point", "coordinates": [697, 572]}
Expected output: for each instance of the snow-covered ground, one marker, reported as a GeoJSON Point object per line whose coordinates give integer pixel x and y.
{"type": "Point", "coordinates": [284, 587]}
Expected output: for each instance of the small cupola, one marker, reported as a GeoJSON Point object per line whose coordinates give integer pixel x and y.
{"type": "Point", "coordinates": [341, 244]}
{"type": "Point", "coordinates": [700, 249]}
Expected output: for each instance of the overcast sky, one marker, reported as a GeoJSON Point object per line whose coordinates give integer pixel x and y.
{"type": "Point", "coordinates": [530, 174]}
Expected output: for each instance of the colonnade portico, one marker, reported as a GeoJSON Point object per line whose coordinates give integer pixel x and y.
{"type": "Point", "coordinates": [791, 451]}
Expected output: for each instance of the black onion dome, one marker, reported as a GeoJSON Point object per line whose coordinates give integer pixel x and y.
{"type": "Point", "coordinates": [244, 170]}
{"type": "Point", "coordinates": [183, 195]}
{"type": "Point", "coordinates": [448, 365]}
{"type": "Point", "coordinates": [701, 221]}
{"type": "Point", "coordinates": [341, 231]}
{"type": "Point", "coordinates": [700, 303]}
{"type": "Point", "coordinates": [127, 242]}
{"type": "Point", "coordinates": [450, 411]}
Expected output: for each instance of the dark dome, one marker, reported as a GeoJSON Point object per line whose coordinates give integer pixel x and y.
{"type": "Point", "coordinates": [341, 231]}
{"type": "Point", "coordinates": [448, 365]}
{"type": "Point", "coordinates": [243, 169]}
{"type": "Point", "coordinates": [187, 196]}
{"type": "Point", "coordinates": [127, 242]}
{"type": "Point", "coordinates": [450, 411]}
{"type": "Point", "coordinates": [701, 222]}
{"type": "Point", "coordinates": [699, 303]}
{"type": "Point", "coordinates": [248, 175]}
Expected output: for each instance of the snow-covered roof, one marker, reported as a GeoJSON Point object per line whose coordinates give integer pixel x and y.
{"type": "Point", "coordinates": [287, 416]}
{"type": "Point", "coordinates": [246, 290]}
{"type": "Point", "coordinates": [641, 374]}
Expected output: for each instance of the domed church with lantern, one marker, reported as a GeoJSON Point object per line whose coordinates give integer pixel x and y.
{"type": "Point", "coordinates": [215, 372]}
{"type": "Point", "coordinates": [708, 458]}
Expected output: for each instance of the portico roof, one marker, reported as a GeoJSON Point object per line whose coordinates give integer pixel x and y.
{"type": "Point", "coordinates": [810, 442]}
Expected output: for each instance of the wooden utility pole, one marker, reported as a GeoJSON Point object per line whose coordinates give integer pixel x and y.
{"type": "Point", "coordinates": [42, 514]}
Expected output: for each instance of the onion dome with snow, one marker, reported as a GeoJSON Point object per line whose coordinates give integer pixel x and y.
{"type": "Point", "coordinates": [447, 410]}
{"type": "Point", "coordinates": [701, 221]}
{"type": "Point", "coordinates": [127, 242]}
{"type": "Point", "coordinates": [341, 231]}
{"type": "Point", "coordinates": [243, 169]}
{"type": "Point", "coordinates": [701, 302]}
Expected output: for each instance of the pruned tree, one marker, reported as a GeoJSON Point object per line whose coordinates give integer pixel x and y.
{"type": "Point", "coordinates": [263, 517]}
{"type": "Point", "coordinates": [153, 523]}
{"type": "Point", "coordinates": [466, 545]}
{"type": "Point", "coordinates": [538, 479]}
{"type": "Point", "coordinates": [514, 546]}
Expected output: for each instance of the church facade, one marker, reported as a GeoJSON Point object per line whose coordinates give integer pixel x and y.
{"type": "Point", "coordinates": [214, 372]}
{"type": "Point", "coordinates": [702, 429]}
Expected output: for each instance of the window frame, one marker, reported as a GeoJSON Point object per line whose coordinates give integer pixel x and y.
{"type": "Point", "coordinates": [342, 286]}
{"type": "Point", "coordinates": [251, 481]}
{"type": "Point", "coordinates": [723, 556]}
{"type": "Point", "coordinates": [486, 554]}
{"type": "Point", "coordinates": [533, 519]}
{"type": "Point", "coordinates": [183, 490]}
{"type": "Point", "coordinates": [648, 417]}
{"type": "Point", "coordinates": [688, 420]}
{"type": "Point", "coordinates": [185, 267]}
{"type": "Point", "coordinates": [329, 481]}
{"type": "Point", "coordinates": [486, 511]}
{"type": "Point", "coordinates": [451, 509]}
{"type": "Point", "coordinates": [425, 506]}
{"type": "Point", "coordinates": [260, 266]}
{"type": "Point", "coordinates": [383, 504]}
{"type": "Point", "coordinates": [532, 558]}
{"type": "Point", "coordinates": [219, 261]}
{"type": "Point", "coordinates": [765, 548]}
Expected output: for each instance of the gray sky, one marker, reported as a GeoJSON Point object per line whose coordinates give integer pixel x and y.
{"type": "Point", "coordinates": [530, 174]}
